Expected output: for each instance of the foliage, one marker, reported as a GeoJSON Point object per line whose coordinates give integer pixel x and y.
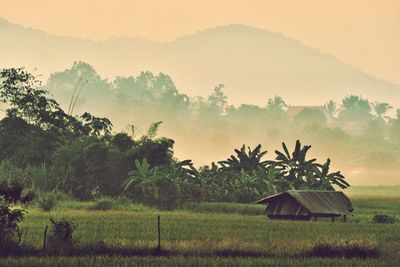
{"type": "Point", "coordinates": [104, 203]}
{"type": "Point", "coordinates": [309, 116]}
{"type": "Point", "coordinates": [61, 235]}
{"type": "Point", "coordinates": [298, 172]}
{"type": "Point", "coordinates": [47, 201]}
{"type": "Point", "coordinates": [355, 108]}
{"type": "Point", "coordinates": [248, 162]}
{"type": "Point", "coordinates": [10, 217]}
{"type": "Point", "coordinates": [331, 108]}
{"type": "Point", "coordinates": [155, 186]}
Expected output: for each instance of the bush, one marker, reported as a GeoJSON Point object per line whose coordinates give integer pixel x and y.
{"type": "Point", "coordinates": [383, 219]}
{"type": "Point", "coordinates": [47, 201]}
{"type": "Point", "coordinates": [124, 201]}
{"type": "Point", "coordinates": [10, 217]}
{"type": "Point", "coordinates": [61, 235]}
{"type": "Point", "coordinates": [103, 204]}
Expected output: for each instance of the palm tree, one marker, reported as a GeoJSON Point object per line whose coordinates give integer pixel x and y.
{"type": "Point", "coordinates": [381, 108]}
{"type": "Point", "coordinates": [277, 103]}
{"type": "Point", "coordinates": [331, 108]}
{"type": "Point", "coordinates": [355, 108]}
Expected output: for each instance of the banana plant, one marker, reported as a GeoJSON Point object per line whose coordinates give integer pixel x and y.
{"type": "Point", "coordinates": [324, 180]}
{"type": "Point", "coordinates": [143, 181]}
{"type": "Point", "coordinates": [296, 172]}
{"type": "Point", "coordinates": [248, 161]}
{"type": "Point", "coordinates": [294, 168]}
{"type": "Point", "coordinates": [144, 175]}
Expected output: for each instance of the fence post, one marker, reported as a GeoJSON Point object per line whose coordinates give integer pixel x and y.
{"type": "Point", "coordinates": [44, 238]}
{"type": "Point", "coordinates": [159, 233]}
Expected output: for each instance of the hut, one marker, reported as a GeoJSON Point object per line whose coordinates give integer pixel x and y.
{"type": "Point", "coordinates": [307, 204]}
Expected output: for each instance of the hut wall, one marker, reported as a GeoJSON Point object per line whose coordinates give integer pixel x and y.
{"type": "Point", "coordinates": [286, 207]}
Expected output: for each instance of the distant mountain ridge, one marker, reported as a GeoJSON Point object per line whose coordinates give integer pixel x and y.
{"type": "Point", "coordinates": [253, 64]}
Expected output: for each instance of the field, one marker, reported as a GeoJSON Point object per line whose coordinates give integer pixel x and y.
{"type": "Point", "coordinates": [219, 234]}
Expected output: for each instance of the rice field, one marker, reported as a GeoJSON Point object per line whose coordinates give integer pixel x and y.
{"type": "Point", "coordinates": [215, 234]}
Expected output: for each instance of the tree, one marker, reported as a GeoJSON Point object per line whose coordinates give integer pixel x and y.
{"type": "Point", "coordinates": [331, 108]}
{"type": "Point", "coordinates": [20, 90]}
{"type": "Point", "coordinates": [324, 180]}
{"type": "Point", "coordinates": [141, 180]}
{"type": "Point", "coordinates": [355, 108]}
{"type": "Point", "coordinates": [381, 108]}
{"type": "Point", "coordinates": [80, 85]}
{"type": "Point", "coordinates": [214, 106]}
{"type": "Point", "coordinates": [297, 172]}
{"type": "Point", "coordinates": [309, 116]}
{"type": "Point", "coordinates": [395, 128]}
{"type": "Point", "coordinates": [155, 185]}
{"type": "Point", "coordinates": [277, 103]}
{"type": "Point", "coordinates": [248, 162]}
{"type": "Point", "coordinates": [218, 100]}
{"type": "Point", "coordinates": [275, 110]}
{"type": "Point", "coordinates": [375, 130]}
{"type": "Point", "coordinates": [122, 141]}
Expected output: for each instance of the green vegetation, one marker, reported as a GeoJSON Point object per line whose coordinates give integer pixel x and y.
{"type": "Point", "coordinates": [47, 201]}
{"type": "Point", "coordinates": [11, 216]}
{"type": "Point", "coordinates": [101, 191]}
{"type": "Point", "coordinates": [218, 234]}
{"type": "Point", "coordinates": [362, 136]}
{"type": "Point", "coordinates": [48, 149]}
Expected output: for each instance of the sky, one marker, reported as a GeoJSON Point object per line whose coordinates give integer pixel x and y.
{"type": "Point", "coordinates": [365, 34]}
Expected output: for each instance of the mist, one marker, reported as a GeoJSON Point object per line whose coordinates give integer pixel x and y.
{"type": "Point", "coordinates": [355, 133]}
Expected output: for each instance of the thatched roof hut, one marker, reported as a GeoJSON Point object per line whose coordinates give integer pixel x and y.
{"type": "Point", "coordinates": [307, 204]}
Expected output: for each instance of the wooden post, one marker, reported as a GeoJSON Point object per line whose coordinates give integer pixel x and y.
{"type": "Point", "coordinates": [344, 217]}
{"type": "Point", "coordinates": [159, 233]}
{"type": "Point", "coordinates": [44, 238]}
{"type": "Point", "coordinates": [333, 218]}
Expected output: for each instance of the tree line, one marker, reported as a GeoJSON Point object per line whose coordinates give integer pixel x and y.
{"type": "Point", "coordinates": [45, 148]}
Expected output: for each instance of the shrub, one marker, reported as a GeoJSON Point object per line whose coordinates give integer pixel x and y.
{"type": "Point", "coordinates": [383, 219]}
{"type": "Point", "coordinates": [103, 204]}
{"type": "Point", "coordinates": [124, 201]}
{"type": "Point", "coordinates": [10, 217]}
{"type": "Point", "coordinates": [61, 235]}
{"type": "Point", "coordinates": [47, 201]}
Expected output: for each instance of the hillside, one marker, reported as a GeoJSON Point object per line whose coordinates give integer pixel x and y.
{"type": "Point", "coordinates": [254, 64]}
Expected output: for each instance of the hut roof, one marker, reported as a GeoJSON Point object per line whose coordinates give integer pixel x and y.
{"type": "Point", "coordinates": [317, 202]}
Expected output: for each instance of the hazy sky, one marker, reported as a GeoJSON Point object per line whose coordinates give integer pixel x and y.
{"type": "Point", "coordinates": [364, 33]}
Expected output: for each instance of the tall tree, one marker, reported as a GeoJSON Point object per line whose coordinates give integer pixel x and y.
{"type": "Point", "coordinates": [381, 108]}
{"type": "Point", "coordinates": [331, 108]}
{"type": "Point", "coordinates": [355, 108]}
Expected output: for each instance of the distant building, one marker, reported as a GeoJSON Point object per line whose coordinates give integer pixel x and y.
{"type": "Point", "coordinates": [307, 204]}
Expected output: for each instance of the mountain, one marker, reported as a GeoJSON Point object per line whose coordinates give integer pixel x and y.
{"type": "Point", "coordinates": [253, 64]}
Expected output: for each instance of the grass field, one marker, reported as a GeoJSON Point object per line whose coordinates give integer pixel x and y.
{"type": "Point", "coordinates": [216, 234]}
